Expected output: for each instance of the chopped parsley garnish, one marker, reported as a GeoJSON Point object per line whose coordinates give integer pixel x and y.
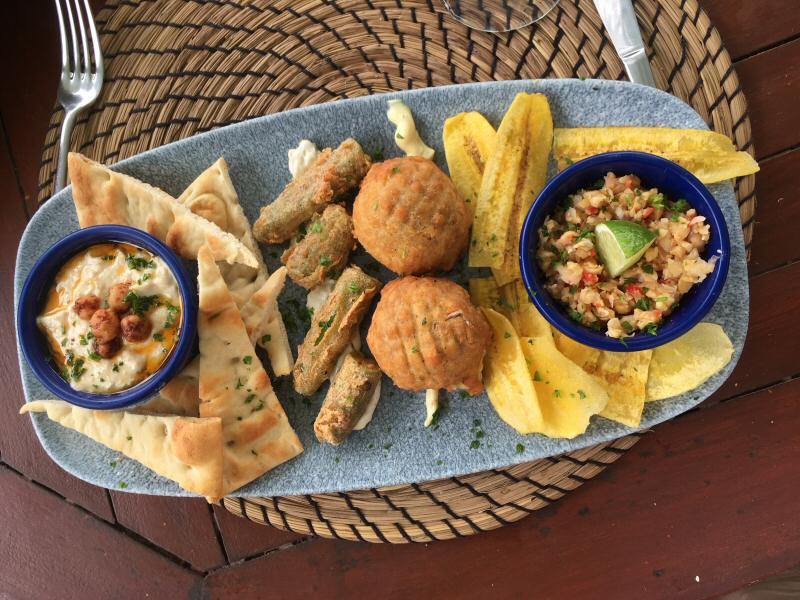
{"type": "Point", "coordinates": [247, 359]}
{"type": "Point", "coordinates": [568, 160]}
{"type": "Point", "coordinates": [137, 263]}
{"type": "Point", "coordinates": [143, 278]}
{"type": "Point", "coordinates": [266, 338]}
{"type": "Point", "coordinates": [395, 169]}
{"type": "Point", "coordinates": [463, 394]}
{"type": "Point", "coordinates": [476, 422]}
{"type": "Point", "coordinates": [474, 444]}
{"type": "Point", "coordinates": [316, 227]}
{"type": "Point", "coordinates": [354, 288]}
{"type": "Point", "coordinates": [651, 328]}
{"type": "Point", "coordinates": [113, 464]}
{"type": "Point", "coordinates": [680, 206]}
{"type": "Point", "coordinates": [239, 384]}
{"type": "Point", "coordinates": [644, 303]}
{"type": "Point", "coordinates": [323, 327]}
{"type": "Point", "coordinates": [520, 449]}
{"type": "Point", "coordinates": [626, 325]}
{"type": "Point", "coordinates": [325, 261]}
{"type": "Point", "coordinates": [399, 136]}
{"type": "Point", "coordinates": [439, 461]}
{"type": "Point", "coordinates": [536, 376]}
{"type": "Point", "coordinates": [129, 438]}
{"type": "Point", "coordinates": [123, 485]}
{"type": "Point", "coordinates": [95, 356]}
{"type": "Point", "coordinates": [159, 337]}
{"type": "Point", "coordinates": [83, 340]}
{"type": "Point", "coordinates": [107, 257]}
{"type": "Point", "coordinates": [647, 269]}
{"type": "Point", "coordinates": [387, 445]}
{"type": "Point", "coordinates": [115, 368]}
{"type": "Point", "coordinates": [301, 233]}
{"type": "Point", "coordinates": [507, 335]}
{"type": "Point", "coordinates": [249, 398]}
{"type": "Point", "coordinates": [172, 314]}
{"type": "Point", "coordinates": [377, 156]}
{"type": "Point", "coordinates": [582, 394]}
{"type": "Point", "coordinates": [140, 304]}
{"type": "Point", "coordinates": [557, 393]}
{"type": "Point", "coordinates": [259, 407]}
{"type": "Point", "coordinates": [598, 185]}
{"type": "Point", "coordinates": [657, 201]}
{"type": "Point", "coordinates": [575, 315]}
{"type": "Point", "coordinates": [414, 349]}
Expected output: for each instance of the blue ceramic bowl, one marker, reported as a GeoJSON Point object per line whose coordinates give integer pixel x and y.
{"type": "Point", "coordinates": [654, 171]}
{"type": "Point", "coordinates": [34, 293]}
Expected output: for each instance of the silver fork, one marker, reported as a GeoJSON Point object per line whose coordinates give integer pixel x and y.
{"type": "Point", "coordinates": [81, 72]}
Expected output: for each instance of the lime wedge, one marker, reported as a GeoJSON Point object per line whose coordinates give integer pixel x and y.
{"type": "Point", "coordinates": [621, 243]}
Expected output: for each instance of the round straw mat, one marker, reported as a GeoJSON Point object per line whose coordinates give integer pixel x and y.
{"type": "Point", "coordinates": [175, 68]}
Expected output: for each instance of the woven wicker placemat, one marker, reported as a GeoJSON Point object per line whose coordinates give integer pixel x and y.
{"type": "Point", "coordinates": [175, 68]}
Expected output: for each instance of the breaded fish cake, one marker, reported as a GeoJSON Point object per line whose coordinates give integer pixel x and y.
{"type": "Point", "coordinates": [426, 333]}
{"type": "Point", "coordinates": [410, 217]}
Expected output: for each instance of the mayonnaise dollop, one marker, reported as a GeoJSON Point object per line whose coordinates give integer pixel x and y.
{"type": "Point", "coordinates": [302, 157]}
{"type": "Point", "coordinates": [406, 136]}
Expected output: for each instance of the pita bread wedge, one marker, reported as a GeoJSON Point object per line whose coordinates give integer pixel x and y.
{"type": "Point", "coordinates": [186, 450]}
{"type": "Point", "coordinates": [103, 196]}
{"type": "Point", "coordinates": [235, 387]}
{"type": "Point", "coordinates": [181, 396]}
{"type": "Point", "coordinates": [213, 196]}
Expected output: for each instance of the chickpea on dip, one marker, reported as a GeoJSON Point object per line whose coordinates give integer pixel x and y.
{"type": "Point", "coordinates": [112, 317]}
{"type": "Point", "coordinates": [673, 237]}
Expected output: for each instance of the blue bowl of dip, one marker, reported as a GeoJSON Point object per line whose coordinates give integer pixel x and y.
{"type": "Point", "coordinates": [670, 179]}
{"type": "Point", "coordinates": [34, 295]}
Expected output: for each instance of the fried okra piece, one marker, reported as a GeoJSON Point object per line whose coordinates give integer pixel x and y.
{"type": "Point", "coordinates": [323, 249]}
{"type": "Point", "coordinates": [334, 173]}
{"type": "Point", "coordinates": [347, 399]}
{"type": "Point", "coordinates": [331, 328]}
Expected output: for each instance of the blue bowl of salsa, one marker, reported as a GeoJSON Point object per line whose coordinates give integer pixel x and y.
{"type": "Point", "coordinates": [674, 182]}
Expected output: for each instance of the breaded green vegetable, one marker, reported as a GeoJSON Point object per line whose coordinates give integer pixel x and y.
{"type": "Point", "coordinates": [331, 328]}
{"type": "Point", "coordinates": [322, 248]}
{"type": "Point", "coordinates": [335, 173]}
{"type": "Point", "coordinates": [347, 399]}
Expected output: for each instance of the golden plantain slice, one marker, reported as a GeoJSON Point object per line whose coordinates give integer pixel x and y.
{"type": "Point", "coordinates": [513, 176]}
{"type": "Point", "coordinates": [468, 142]}
{"type": "Point", "coordinates": [568, 395]}
{"type": "Point", "coordinates": [711, 156]}
{"type": "Point", "coordinates": [685, 363]}
{"type": "Point", "coordinates": [507, 379]}
{"type": "Point", "coordinates": [540, 144]}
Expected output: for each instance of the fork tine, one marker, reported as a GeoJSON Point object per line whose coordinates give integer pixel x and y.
{"type": "Point", "coordinates": [84, 48]}
{"type": "Point", "coordinates": [62, 34]}
{"type": "Point", "coordinates": [74, 36]}
{"type": "Point", "coordinates": [98, 52]}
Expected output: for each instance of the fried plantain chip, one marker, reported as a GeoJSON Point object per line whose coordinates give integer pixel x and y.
{"type": "Point", "coordinates": [568, 395]}
{"type": "Point", "coordinates": [514, 174]}
{"type": "Point", "coordinates": [513, 302]}
{"type": "Point", "coordinates": [468, 142]}
{"type": "Point", "coordinates": [689, 361]}
{"type": "Point", "coordinates": [507, 379]}
{"type": "Point", "coordinates": [578, 353]}
{"type": "Point", "coordinates": [709, 155]}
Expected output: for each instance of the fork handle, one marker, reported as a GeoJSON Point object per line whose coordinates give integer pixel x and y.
{"type": "Point", "coordinates": [63, 148]}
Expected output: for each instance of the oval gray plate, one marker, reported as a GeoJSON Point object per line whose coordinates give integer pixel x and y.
{"type": "Point", "coordinates": [395, 448]}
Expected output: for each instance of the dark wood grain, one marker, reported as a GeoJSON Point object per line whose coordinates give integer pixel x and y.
{"type": "Point", "coordinates": [771, 81]}
{"type": "Point", "coordinates": [19, 446]}
{"type": "Point", "coordinates": [711, 495]}
{"type": "Point", "coordinates": [244, 538]}
{"type": "Point", "coordinates": [747, 27]}
{"type": "Point", "coordinates": [49, 549]}
{"type": "Point", "coordinates": [182, 526]}
{"type": "Point", "coordinates": [775, 240]}
{"type": "Point", "coordinates": [772, 351]}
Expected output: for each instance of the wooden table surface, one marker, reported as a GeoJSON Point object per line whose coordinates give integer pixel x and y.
{"type": "Point", "coordinates": [702, 505]}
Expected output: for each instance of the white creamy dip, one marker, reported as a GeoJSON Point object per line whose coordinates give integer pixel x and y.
{"type": "Point", "coordinates": [302, 157]}
{"type": "Point", "coordinates": [94, 272]}
{"type": "Point", "coordinates": [406, 136]}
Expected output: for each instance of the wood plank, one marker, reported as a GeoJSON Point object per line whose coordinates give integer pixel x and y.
{"type": "Point", "coordinates": [770, 81]}
{"type": "Point", "coordinates": [773, 340]}
{"type": "Point", "coordinates": [19, 446]}
{"type": "Point", "coordinates": [181, 526]}
{"type": "Point", "coordinates": [50, 549]}
{"type": "Point", "coordinates": [777, 213]}
{"type": "Point", "coordinates": [747, 27]}
{"type": "Point", "coordinates": [244, 539]}
{"type": "Point", "coordinates": [702, 505]}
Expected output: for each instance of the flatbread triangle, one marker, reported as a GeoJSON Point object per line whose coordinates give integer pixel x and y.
{"type": "Point", "coordinates": [184, 449]}
{"type": "Point", "coordinates": [235, 387]}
